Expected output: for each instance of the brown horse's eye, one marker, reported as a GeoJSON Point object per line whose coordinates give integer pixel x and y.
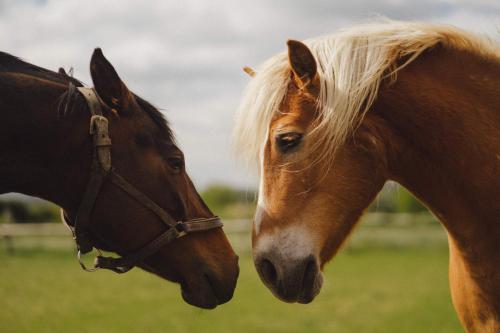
{"type": "Point", "coordinates": [176, 163]}
{"type": "Point", "coordinates": [287, 142]}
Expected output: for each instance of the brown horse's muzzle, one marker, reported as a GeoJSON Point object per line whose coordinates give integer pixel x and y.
{"type": "Point", "coordinates": [207, 289]}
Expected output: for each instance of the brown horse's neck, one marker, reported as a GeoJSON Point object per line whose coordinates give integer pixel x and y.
{"type": "Point", "coordinates": [37, 145]}
{"type": "Point", "coordinates": [442, 135]}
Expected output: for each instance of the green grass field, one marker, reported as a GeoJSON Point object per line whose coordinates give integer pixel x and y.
{"type": "Point", "coordinates": [368, 288]}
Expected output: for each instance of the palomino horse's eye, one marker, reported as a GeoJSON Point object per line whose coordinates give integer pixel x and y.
{"type": "Point", "coordinates": [176, 163]}
{"type": "Point", "coordinates": [288, 141]}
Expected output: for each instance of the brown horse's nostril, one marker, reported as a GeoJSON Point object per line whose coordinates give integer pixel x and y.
{"type": "Point", "coordinates": [268, 272]}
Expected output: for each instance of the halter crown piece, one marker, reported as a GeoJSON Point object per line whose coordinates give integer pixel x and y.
{"type": "Point", "coordinates": [101, 170]}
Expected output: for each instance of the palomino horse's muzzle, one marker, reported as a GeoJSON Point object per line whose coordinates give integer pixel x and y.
{"type": "Point", "coordinates": [101, 170]}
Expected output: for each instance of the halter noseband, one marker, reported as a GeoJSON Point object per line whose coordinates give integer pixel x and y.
{"type": "Point", "coordinates": [102, 170]}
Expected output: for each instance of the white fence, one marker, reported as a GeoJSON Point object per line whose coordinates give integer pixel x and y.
{"type": "Point", "coordinates": [380, 229]}
{"type": "Point", "coordinates": [56, 235]}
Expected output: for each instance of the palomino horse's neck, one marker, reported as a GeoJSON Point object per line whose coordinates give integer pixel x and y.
{"type": "Point", "coordinates": [445, 146]}
{"type": "Point", "coordinates": [443, 143]}
{"type": "Point", "coordinates": [35, 141]}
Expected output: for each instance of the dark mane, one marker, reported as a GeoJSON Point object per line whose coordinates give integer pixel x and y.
{"type": "Point", "coordinates": [70, 100]}
{"type": "Point", "coordinates": [10, 63]}
{"type": "Point", "coordinates": [157, 117]}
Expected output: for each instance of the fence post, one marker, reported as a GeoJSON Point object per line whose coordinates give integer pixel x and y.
{"type": "Point", "coordinates": [9, 244]}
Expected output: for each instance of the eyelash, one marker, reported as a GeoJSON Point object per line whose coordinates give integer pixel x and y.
{"type": "Point", "coordinates": [176, 163]}
{"type": "Point", "coordinates": [288, 142]}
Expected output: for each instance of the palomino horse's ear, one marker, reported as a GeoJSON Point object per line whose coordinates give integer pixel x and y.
{"type": "Point", "coordinates": [249, 71]}
{"type": "Point", "coordinates": [108, 84]}
{"type": "Point", "coordinates": [302, 63]}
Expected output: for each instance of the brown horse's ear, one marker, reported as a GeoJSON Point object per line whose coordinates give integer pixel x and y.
{"type": "Point", "coordinates": [108, 84]}
{"type": "Point", "coordinates": [302, 63]}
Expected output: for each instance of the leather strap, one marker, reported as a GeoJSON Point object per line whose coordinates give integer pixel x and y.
{"type": "Point", "coordinates": [126, 263]}
{"type": "Point", "coordinates": [93, 101]}
{"type": "Point", "coordinates": [82, 221]}
{"type": "Point", "coordinates": [101, 164]}
{"type": "Point", "coordinates": [100, 171]}
{"type": "Point", "coordinates": [202, 224]}
{"type": "Point", "coordinates": [141, 198]}
{"type": "Point", "coordinates": [176, 230]}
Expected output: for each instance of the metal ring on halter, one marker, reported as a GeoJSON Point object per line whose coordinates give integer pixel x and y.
{"type": "Point", "coordinates": [181, 229]}
{"type": "Point", "coordinates": [93, 269]}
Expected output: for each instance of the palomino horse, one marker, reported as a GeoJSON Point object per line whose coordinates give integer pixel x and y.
{"type": "Point", "coordinates": [121, 190]}
{"type": "Point", "coordinates": [336, 117]}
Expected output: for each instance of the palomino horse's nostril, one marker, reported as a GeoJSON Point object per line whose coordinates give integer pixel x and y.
{"type": "Point", "coordinates": [269, 273]}
{"type": "Point", "coordinates": [310, 273]}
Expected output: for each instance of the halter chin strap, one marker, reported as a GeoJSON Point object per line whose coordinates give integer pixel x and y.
{"type": "Point", "coordinates": [101, 170]}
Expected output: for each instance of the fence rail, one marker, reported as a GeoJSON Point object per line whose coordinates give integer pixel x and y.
{"type": "Point", "coordinates": [52, 229]}
{"type": "Point", "coordinates": [397, 229]}
{"type": "Point", "coordinates": [33, 229]}
{"type": "Point", "coordinates": [20, 234]}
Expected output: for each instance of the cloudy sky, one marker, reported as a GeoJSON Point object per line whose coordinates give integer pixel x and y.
{"type": "Point", "coordinates": [186, 56]}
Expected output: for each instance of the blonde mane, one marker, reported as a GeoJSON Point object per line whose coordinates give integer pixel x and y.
{"type": "Point", "coordinates": [351, 65]}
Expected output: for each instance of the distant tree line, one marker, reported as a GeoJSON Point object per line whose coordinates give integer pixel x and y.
{"type": "Point", "coordinates": [230, 202]}
{"type": "Point", "coordinates": [22, 211]}
{"type": "Point", "coordinates": [224, 200]}
{"type": "Point", "coordinates": [396, 199]}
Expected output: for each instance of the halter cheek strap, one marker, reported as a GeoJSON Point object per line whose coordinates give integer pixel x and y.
{"type": "Point", "coordinates": [101, 170]}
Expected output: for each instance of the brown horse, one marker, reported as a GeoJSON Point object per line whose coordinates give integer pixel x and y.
{"type": "Point", "coordinates": [335, 118]}
{"type": "Point", "coordinates": [46, 151]}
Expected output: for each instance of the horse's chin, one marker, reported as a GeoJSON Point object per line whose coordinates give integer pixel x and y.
{"type": "Point", "coordinates": [198, 290]}
{"type": "Point", "coordinates": [200, 295]}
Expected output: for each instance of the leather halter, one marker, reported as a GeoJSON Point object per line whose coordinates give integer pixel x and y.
{"type": "Point", "coordinates": [101, 170]}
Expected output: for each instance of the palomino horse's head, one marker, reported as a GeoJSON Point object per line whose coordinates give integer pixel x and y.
{"type": "Point", "coordinates": [307, 204]}
{"type": "Point", "coordinates": [144, 152]}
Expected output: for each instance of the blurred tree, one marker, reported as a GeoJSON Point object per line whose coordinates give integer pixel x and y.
{"type": "Point", "coordinates": [19, 211]}
{"type": "Point", "coordinates": [406, 202]}
{"type": "Point", "coordinates": [396, 199]}
{"type": "Point", "coordinates": [227, 201]}
{"type": "Point", "coordinates": [23, 211]}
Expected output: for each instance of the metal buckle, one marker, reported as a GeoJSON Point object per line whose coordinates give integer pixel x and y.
{"type": "Point", "coordinates": [85, 268]}
{"type": "Point", "coordinates": [181, 229]}
{"type": "Point", "coordinates": [102, 142]}
{"type": "Point", "coordinates": [98, 124]}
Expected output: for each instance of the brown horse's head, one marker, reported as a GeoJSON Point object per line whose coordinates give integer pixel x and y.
{"type": "Point", "coordinates": [307, 205]}
{"type": "Point", "coordinates": [144, 152]}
